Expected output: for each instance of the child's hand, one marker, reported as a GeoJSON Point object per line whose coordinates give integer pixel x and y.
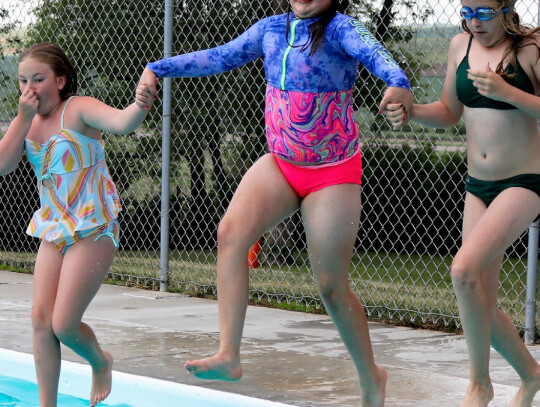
{"type": "Point", "coordinates": [149, 80]}
{"type": "Point", "coordinates": [489, 83]}
{"type": "Point", "coordinates": [144, 97]}
{"type": "Point", "coordinates": [396, 114]}
{"type": "Point", "coordinates": [28, 105]}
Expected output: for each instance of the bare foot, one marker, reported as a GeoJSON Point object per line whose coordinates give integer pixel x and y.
{"type": "Point", "coordinates": [101, 381]}
{"type": "Point", "coordinates": [375, 396]}
{"type": "Point", "coordinates": [478, 395]}
{"type": "Point", "coordinates": [215, 368]}
{"type": "Point", "coordinates": [527, 391]}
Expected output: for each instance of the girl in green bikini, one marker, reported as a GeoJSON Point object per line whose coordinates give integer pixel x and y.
{"type": "Point", "coordinates": [492, 79]}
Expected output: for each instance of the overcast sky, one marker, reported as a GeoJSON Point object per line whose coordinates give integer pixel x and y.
{"type": "Point", "coordinates": [446, 11]}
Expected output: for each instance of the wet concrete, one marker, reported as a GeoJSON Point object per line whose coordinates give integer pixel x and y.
{"type": "Point", "coordinates": [290, 357]}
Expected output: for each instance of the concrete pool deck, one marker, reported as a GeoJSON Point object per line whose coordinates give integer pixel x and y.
{"type": "Point", "coordinates": [288, 357]}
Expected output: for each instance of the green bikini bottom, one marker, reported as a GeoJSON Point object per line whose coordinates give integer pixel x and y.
{"type": "Point", "coordinates": [487, 191]}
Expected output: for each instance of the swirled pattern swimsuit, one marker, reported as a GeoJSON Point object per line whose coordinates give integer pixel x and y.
{"type": "Point", "coordinates": [77, 195]}
{"type": "Point", "coordinates": [309, 115]}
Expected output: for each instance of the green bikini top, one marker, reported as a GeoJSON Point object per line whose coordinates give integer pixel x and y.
{"type": "Point", "coordinates": [468, 93]}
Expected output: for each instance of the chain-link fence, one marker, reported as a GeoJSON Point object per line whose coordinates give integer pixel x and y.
{"type": "Point", "coordinates": [412, 184]}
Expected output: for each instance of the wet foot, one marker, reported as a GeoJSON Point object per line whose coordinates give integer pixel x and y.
{"type": "Point", "coordinates": [101, 381]}
{"type": "Point", "coordinates": [375, 397]}
{"type": "Point", "coordinates": [215, 368]}
{"type": "Point", "coordinates": [478, 395]}
{"type": "Point", "coordinates": [527, 391]}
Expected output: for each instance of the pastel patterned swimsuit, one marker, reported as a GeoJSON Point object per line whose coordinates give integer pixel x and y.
{"type": "Point", "coordinates": [77, 195]}
{"type": "Point", "coordinates": [309, 114]}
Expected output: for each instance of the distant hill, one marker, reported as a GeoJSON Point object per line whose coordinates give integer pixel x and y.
{"type": "Point", "coordinates": [437, 31]}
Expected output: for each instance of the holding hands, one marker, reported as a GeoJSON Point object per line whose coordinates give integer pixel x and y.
{"type": "Point", "coordinates": [489, 84]}
{"type": "Point", "coordinates": [146, 91]}
{"type": "Point", "coordinates": [144, 97]}
{"type": "Point", "coordinates": [394, 99]}
{"type": "Point", "coordinates": [397, 115]}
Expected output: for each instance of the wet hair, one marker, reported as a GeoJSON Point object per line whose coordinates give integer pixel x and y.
{"type": "Point", "coordinates": [516, 32]}
{"type": "Point", "coordinates": [316, 30]}
{"type": "Point", "coordinates": [52, 55]}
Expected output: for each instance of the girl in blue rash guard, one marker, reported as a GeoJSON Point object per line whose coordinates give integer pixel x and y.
{"type": "Point", "coordinates": [311, 59]}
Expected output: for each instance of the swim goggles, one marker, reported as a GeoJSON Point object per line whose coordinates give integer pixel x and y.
{"type": "Point", "coordinates": [481, 13]}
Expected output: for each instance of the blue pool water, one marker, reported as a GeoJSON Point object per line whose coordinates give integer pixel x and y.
{"type": "Point", "coordinates": [19, 393]}
{"type": "Point", "coordinates": [18, 388]}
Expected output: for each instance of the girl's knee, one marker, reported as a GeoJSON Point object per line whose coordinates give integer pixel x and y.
{"type": "Point", "coordinates": [332, 292]}
{"type": "Point", "coordinates": [41, 319]}
{"type": "Point", "coordinates": [224, 230]}
{"type": "Point", "coordinates": [464, 274]}
{"type": "Point", "coordinates": [232, 231]}
{"type": "Point", "coordinates": [458, 269]}
{"type": "Point", "coordinates": [63, 328]}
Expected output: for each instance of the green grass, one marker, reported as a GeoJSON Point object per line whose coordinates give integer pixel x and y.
{"type": "Point", "coordinates": [405, 289]}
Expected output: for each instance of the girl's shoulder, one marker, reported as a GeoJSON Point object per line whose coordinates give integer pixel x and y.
{"type": "Point", "coordinates": [533, 39]}
{"type": "Point", "coordinates": [529, 52]}
{"type": "Point", "coordinates": [274, 19]}
{"type": "Point", "coordinates": [271, 22]}
{"type": "Point", "coordinates": [344, 20]}
{"type": "Point", "coordinates": [535, 36]}
{"type": "Point", "coordinates": [78, 101]}
{"type": "Point", "coordinates": [79, 104]}
{"type": "Point", "coordinates": [460, 39]}
{"type": "Point", "coordinates": [343, 25]}
{"type": "Point", "coordinates": [77, 110]}
{"type": "Point", "coordinates": [459, 43]}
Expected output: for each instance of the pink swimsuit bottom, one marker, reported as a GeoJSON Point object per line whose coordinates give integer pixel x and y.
{"type": "Point", "coordinates": [307, 179]}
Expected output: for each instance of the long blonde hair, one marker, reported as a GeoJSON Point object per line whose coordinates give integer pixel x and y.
{"type": "Point", "coordinates": [516, 32]}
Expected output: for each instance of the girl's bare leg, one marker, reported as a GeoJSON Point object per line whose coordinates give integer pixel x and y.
{"type": "Point", "coordinates": [487, 234]}
{"type": "Point", "coordinates": [85, 265]}
{"type": "Point", "coordinates": [261, 201]}
{"type": "Point", "coordinates": [331, 218]}
{"type": "Point", "coordinates": [46, 345]}
{"type": "Point", "coordinates": [505, 339]}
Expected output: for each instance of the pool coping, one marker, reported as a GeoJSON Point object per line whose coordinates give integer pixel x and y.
{"type": "Point", "coordinates": [75, 381]}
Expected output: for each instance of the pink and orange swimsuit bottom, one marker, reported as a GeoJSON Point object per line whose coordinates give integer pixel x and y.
{"type": "Point", "coordinates": [305, 179]}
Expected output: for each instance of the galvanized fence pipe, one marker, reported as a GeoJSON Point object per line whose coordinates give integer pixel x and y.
{"type": "Point", "coordinates": [532, 272]}
{"type": "Point", "coordinates": [166, 154]}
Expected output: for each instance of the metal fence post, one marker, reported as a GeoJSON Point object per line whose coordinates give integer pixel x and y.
{"type": "Point", "coordinates": [166, 154]}
{"type": "Point", "coordinates": [532, 271]}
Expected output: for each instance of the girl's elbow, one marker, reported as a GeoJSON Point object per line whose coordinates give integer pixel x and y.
{"type": "Point", "coordinates": [452, 122]}
{"type": "Point", "coordinates": [122, 130]}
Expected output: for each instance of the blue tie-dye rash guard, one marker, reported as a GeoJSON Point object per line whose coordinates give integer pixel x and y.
{"type": "Point", "coordinates": [309, 115]}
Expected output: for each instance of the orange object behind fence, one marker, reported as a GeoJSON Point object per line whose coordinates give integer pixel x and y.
{"type": "Point", "coordinates": [253, 255]}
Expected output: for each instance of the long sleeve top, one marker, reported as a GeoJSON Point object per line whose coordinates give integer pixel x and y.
{"type": "Point", "coordinates": [309, 116]}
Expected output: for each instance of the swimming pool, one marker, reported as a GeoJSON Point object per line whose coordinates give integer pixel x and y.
{"type": "Point", "coordinates": [18, 388]}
